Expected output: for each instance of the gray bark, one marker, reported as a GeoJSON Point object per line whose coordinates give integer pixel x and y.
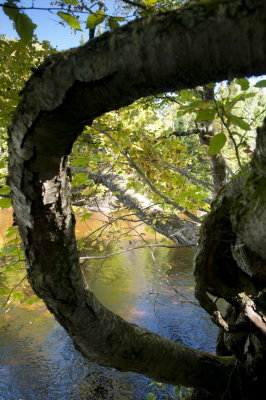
{"type": "Point", "coordinates": [218, 164]}
{"type": "Point", "coordinates": [177, 229]}
{"type": "Point", "coordinates": [167, 52]}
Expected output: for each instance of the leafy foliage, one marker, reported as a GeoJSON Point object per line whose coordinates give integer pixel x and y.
{"type": "Point", "coordinates": [73, 22]}
{"type": "Point", "coordinates": [95, 19]}
{"type": "Point", "coordinates": [22, 23]}
{"type": "Point", "coordinates": [17, 61]}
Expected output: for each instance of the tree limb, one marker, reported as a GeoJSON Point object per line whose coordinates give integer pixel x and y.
{"type": "Point", "coordinates": [171, 226]}
{"type": "Point", "coordinates": [142, 174]}
{"type": "Point", "coordinates": [126, 250]}
{"type": "Point", "coordinates": [187, 175]}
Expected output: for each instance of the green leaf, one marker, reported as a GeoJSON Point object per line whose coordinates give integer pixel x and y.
{"type": "Point", "coordinates": [151, 396]}
{"type": "Point", "coordinates": [95, 19]}
{"type": "Point", "coordinates": [81, 161]}
{"type": "Point", "coordinates": [217, 142]}
{"type": "Point", "coordinates": [177, 389]}
{"type": "Point", "coordinates": [112, 22]}
{"type": "Point", "coordinates": [16, 240]}
{"type": "Point", "coordinates": [24, 27]}
{"type": "Point", "coordinates": [4, 292]}
{"type": "Point", "coordinates": [73, 22]}
{"type": "Point", "coordinates": [5, 203]}
{"type": "Point", "coordinates": [261, 84]}
{"type": "Point", "coordinates": [72, 2]}
{"type": "Point", "coordinates": [32, 301]}
{"type": "Point", "coordinates": [185, 95]}
{"type": "Point", "coordinates": [10, 249]}
{"type": "Point", "coordinates": [238, 121]}
{"type": "Point", "coordinates": [243, 82]}
{"type": "Point", "coordinates": [5, 190]}
{"type": "Point", "coordinates": [17, 296]}
{"type": "Point", "coordinates": [205, 115]}
{"type": "Point", "coordinates": [11, 12]}
{"type": "Point", "coordinates": [150, 3]}
{"type": "Point", "coordinates": [23, 24]}
{"type": "Point", "coordinates": [79, 179]}
{"type": "Point", "coordinates": [2, 164]}
{"type": "Point", "coordinates": [12, 229]}
{"type": "Point", "coordinates": [240, 97]}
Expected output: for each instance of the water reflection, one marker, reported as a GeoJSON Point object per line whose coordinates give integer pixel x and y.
{"type": "Point", "coordinates": [39, 362]}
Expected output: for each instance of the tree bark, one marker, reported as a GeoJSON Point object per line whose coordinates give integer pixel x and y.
{"type": "Point", "coordinates": [230, 264]}
{"type": "Point", "coordinates": [218, 164]}
{"type": "Point", "coordinates": [177, 229]}
{"type": "Point", "coordinates": [170, 51]}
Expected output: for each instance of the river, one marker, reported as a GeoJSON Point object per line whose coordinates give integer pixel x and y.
{"type": "Point", "coordinates": [37, 358]}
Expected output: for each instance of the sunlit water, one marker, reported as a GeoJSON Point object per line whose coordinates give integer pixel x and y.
{"type": "Point", "coordinates": [39, 362]}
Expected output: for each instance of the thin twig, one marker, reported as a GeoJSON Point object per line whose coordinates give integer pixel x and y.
{"type": "Point", "coordinates": [50, 9]}
{"type": "Point", "coordinates": [8, 297]}
{"type": "Point", "coordinates": [130, 249]}
{"type": "Point", "coordinates": [229, 133]}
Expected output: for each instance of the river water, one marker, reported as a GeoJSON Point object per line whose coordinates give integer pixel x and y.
{"type": "Point", "coordinates": [38, 360]}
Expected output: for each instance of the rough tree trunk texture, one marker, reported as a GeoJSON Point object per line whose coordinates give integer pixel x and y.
{"type": "Point", "coordinates": [230, 264]}
{"type": "Point", "coordinates": [171, 51]}
{"type": "Point", "coordinates": [179, 230]}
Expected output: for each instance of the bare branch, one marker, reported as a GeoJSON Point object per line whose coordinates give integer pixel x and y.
{"type": "Point", "coordinates": [130, 249]}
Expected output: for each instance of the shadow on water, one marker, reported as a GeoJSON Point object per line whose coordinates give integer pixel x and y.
{"type": "Point", "coordinates": [39, 362]}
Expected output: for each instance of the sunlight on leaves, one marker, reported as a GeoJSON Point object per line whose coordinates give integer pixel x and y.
{"type": "Point", "coordinates": [217, 142]}
{"type": "Point", "coordinates": [73, 22]}
{"type": "Point", "coordinates": [95, 19]}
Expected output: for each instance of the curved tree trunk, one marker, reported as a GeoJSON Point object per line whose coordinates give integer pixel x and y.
{"type": "Point", "coordinates": [159, 53]}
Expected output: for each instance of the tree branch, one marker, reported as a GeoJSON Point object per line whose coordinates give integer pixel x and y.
{"type": "Point", "coordinates": [171, 226]}
{"type": "Point", "coordinates": [50, 9]}
{"type": "Point", "coordinates": [192, 178]}
{"type": "Point", "coordinates": [127, 250]}
{"type": "Point", "coordinates": [142, 174]}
